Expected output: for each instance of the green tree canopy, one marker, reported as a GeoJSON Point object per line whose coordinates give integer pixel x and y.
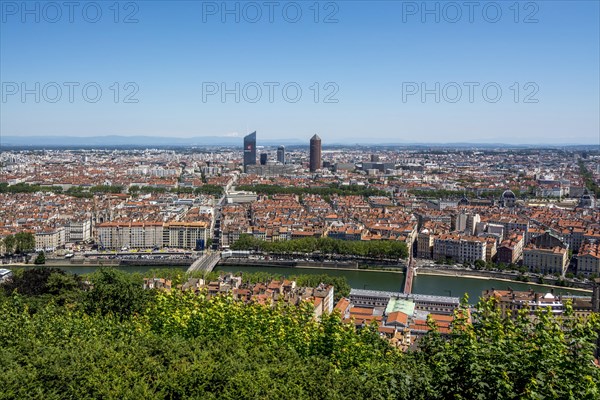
{"type": "Point", "coordinates": [115, 292]}
{"type": "Point", "coordinates": [184, 345]}
{"type": "Point", "coordinates": [9, 244]}
{"type": "Point", "coordinates": [40, 258]}
{"type": "Point", "coordinates": [24, 242]}
{"type": "Point", "coordinates": [374, 249]}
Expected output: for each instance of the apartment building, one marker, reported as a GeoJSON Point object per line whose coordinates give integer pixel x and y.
{"type": "Point", "coordinates": [545, 260]}
{"type": "Point", "coordinates": [325, 293]}
{"type": "Point", "coordinates": [588, 259]}
{"type": "Point", "coordinates": [136, 235]}
{"type": "Point", "coordinates": [491, 248]}
{"type": "Point", "coordinates": [232, 235]}
{"type": "Point", "coordinates": [510, 250]}
{"type": "Point", "coordinates": [446, 246]}
{"type": "Point", "coordinates": [459, 248]}
{"type": "Point", "coordinates": [148, 235]}
{"type": "Point", "coordinates": [425, 244]}
{"type": "Point", "coordinates": [466, 222]}
{"type": "Point", "coordinates": [49, 239]}
{"type": "Point", "coordinates": [78, 231]}
{"type": "Point", "coordinates": [547, 254]}
{"type": "Point", "coordinates": [345, 232]}
{"type": "Point", "coordinates": [511, 224]}
{"type": "Point", "coordinates": [511, 301]}
{"type": "Point", "coordinates": [185, 235]}
{"type": "Point", "coordinates": [473, 248]}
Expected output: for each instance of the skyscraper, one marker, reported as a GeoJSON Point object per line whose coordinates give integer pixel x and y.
{"type": "Point", "coordinates": [315, 153]}
{"type": "Point", "coordinates": [263, 158]}
{"type": "Point", "coordinates": [281, 154]}
{"type": "Point", "coordinates": [250, 150]}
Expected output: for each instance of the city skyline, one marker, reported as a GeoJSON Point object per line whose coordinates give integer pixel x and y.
{"type": "Point", "coordinates": [295, 199]}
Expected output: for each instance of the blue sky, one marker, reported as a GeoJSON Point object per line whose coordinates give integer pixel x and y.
{"type": "Point", "coordinates": [369, 60]}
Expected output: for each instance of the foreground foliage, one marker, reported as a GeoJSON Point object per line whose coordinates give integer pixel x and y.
{"type": "Point", "coordinates": [181, 345]}
{"type": "Point", "coordinates": [541, 357]}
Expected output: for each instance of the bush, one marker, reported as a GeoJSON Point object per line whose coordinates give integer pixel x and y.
{"type": "Point", "coordinates": [40, 259]}
{"type": "Point", "coordinates": [117, 293]}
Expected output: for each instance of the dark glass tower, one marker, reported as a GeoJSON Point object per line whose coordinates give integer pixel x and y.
{"type": "Point", "coordinates": [281, 154]}
{"type": "Point", "coordinates": [263, 158]}
{"type": "Point", "coordinates": [315, 153]}
{"type": "Point", "coordinates": [249, 150]}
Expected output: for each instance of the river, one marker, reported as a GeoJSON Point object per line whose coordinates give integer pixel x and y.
{"type": "Point", "coordinates": [423, 284]}
{"type": "Point", "coordinates": [374, 280]}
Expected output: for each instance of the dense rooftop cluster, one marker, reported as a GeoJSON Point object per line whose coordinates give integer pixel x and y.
{"type": "Point", "coordinates": [462, 206]}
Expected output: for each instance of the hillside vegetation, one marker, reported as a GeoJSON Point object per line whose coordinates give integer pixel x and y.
{"type": "Point", "coordinates": [117, 341]}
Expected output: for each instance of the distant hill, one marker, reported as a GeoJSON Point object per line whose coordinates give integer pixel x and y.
{"type": "Point", "coordinates": [162, 141]}
{"type": "Point", "coordinates": [144, 141]}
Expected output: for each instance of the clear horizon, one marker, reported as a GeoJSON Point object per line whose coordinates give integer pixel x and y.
{"type": "Point", "coordinates": [300, 141]}
{"type": "Point", "coordinates": [523, 73]}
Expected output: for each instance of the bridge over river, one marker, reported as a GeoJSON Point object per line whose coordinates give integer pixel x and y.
{"type": "Point", "coordinates": [206, 263]}
{"type": "Point", "coordinates": [411, 272]}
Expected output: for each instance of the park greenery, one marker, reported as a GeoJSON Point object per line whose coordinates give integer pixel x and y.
{"type": "Point", "coordinates": [330, 190]}
{"type": "Point", "coordinates": [19, 243]}
{"type": "Point", "coordinates": [74, 191]}
{"type": "Point", "coordinates": [105, 337]}
{"type": "Point", "coordinates": [386, 249]}
{"type": "Point", "coordinates": [90, 191]}
{"type": "Point", "coordinates": [458, 194]}
{"type": "Point", "coordinates": [27, 188]}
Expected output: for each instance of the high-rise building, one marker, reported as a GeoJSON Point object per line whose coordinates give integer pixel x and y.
{"type": "Point", "coordinates": [315, 153]}
{"type": "Point", "coordinates": [263, 158]}
{"type": "Point", "coordinates": [250, 150]}
{"type": "Point", "coordinates": [281, 154]}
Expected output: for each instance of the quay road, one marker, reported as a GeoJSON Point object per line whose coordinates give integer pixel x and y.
{"type": "Point", "coordinates": [206, 263]}
{"type": "Point", "coordinates": [216, 224]}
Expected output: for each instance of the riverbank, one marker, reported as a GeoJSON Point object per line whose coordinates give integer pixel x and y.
{"type": "Point", "coordinates": [64, 263]}
{"type": "Point", "coordinates": [89, 269]}
{"type": "Point", "coordinates": [497, 276]}
{"type": "Point", "coordinates": [289, 263]}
